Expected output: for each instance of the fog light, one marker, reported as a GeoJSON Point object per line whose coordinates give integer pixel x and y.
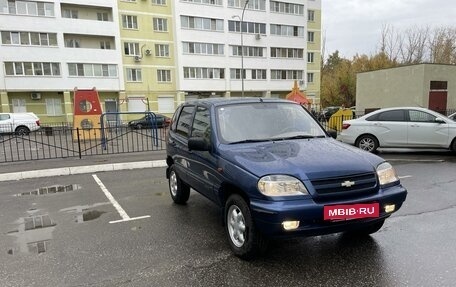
{"type": "Point", "coordinates": [390, 208]}
{"type": "Point", "coordinates": [290, 225]}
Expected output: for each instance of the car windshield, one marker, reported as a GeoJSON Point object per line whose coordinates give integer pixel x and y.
{"type": "Point", "coordinates": [265, 121]}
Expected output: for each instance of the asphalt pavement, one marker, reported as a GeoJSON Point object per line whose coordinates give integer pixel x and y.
{"type": "Point", "coordinates": [88, 164]}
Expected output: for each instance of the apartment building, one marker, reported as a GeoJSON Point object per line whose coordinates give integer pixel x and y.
{"type": "Point", "coordinates": [154, 54]}
{"type": "Point", "coordinates": [278, 42]}
{"type": "Point", "coordinates": [50, 48]}
{"type": "Point", "coordinates": [147, 47]}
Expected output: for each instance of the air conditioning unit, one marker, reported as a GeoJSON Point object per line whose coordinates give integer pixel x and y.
{"type": "Point", "coordinates": [35, 96]}
{"type": "Point", "coordinates": [301, 82]}
{"type": "Point", "coordinates": [148, 52]}
{"type": "Point", "coordinates": [137, 59]}
{"type": "Point", "coordinates": [258, 36]}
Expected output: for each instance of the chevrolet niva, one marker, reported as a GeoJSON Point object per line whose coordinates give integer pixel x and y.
{"type": "Point", "coordinates": [275, 172]}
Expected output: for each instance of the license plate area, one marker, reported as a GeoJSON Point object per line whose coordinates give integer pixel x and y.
{"type": "Point", "coordinates": [351, 211]}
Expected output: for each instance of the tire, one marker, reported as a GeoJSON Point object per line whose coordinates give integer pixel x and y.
{"type": "Point", "coordinates": [453, 145]}
{"type": "Point", "coordinates": [22, 131]}
{"type": "Point", "coordinates": [365, 231]}
{"type": "Point", "coordinates": [244, 239]}
{"type": "Point", "coordinates": [179, 191]}
{"type": "Point", "coordinates": [367, 142]}
{"type": "Point", "coordinates": [138, 126]}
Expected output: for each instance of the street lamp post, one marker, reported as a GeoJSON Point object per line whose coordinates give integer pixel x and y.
{"type": "Point", "coordinates": [242, 44]}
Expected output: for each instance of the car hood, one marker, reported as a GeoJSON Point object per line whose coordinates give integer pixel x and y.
{"type": "Point", "coordinates": [305, 159]}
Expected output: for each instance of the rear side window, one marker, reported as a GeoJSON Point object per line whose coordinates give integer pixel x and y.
{"type": "Point", "coordinates": [419, 116]}
{"type": "Point", "coordinates": [388, 116]}
{"type": "Point", "coordinates": [185, 121]}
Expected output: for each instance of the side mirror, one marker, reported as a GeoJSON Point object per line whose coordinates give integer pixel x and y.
{"type": "Point", "coordinates": [198, 143]}
{"type": "Point", "coordinates": [332, 133]}
{"type": "Point", "coordinates": [439, 121]}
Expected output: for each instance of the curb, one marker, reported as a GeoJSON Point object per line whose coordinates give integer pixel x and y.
{"type": "Point", "coordinates": [80, 170]}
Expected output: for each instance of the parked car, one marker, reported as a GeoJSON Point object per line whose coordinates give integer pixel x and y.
{"type": "Point", "coordinates": [149, 121]}
{"type": "Point", "coordinates": [19, 123]}
{"type": "Point", "coordinates": [275, 172]}
{"type": "Point", "coordinates": [453, 117]}
{"type": "Point", "coordinates": [327, 112]}
{"type": "Point", "coordinates": [403, 127]}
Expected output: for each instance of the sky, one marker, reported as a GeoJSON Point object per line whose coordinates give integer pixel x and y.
{"type": "Point", "coordinates": [354, 26]}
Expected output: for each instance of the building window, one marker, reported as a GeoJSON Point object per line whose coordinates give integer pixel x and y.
{"type": "Point", "coordinates": [290, 53]}
{"type": "Point", "coordinates": [161, 50]}
{"type": "Point", "coordinates": [132, 49]}
{"type": "Point", "coordinates": [286, 30]}
{"type": "Point", "coordinates": [54, 107]}
{"type": "Point", "coordinates": [208, 2]}
{"type": "Point", "coordinates": [287, 8]}
{"type": "Point", "coordinates": [259, 74]}
{"type": "Point", "coordinates": [247, 27]}
{"type": "Point", "coordinates": [134, 75]}
{"type": "Point", "coordinates": [310, 78]}
{"type": "Point", "coordinates": [249, 51]}
{"type": "Point", "coordinates": [310, 15]}
{"type": "Point", "coordinates": [163, 76]}
{"type": "Point", "coordinates": [310, 57]}
{"type": "Point", "coordinates": [32, 69]}
{"type": "Point", "coordinates": [19, 105]}
{"type": "Point", "coordinates": [203, 73]}
{"type": "Point", "coordinates": [105, 45]}
{"type": "Point", "coordinates": [203, 48]}
{"type": "Point", "coordinates": [28, 38]}
{"type": "Point", "coordinates": [236, 74]}
{"type": "Point", "coordinates": [286, 74]}
{"type": "Point", "coordinates": [252, 5]}
{"type": "Point", "coordinates": [198, 23]}
{"type": "Point", "coordinates": [92, 70]}
{"type": "Point", "coordinates": [159, 2]}
{"type": "Point", "coordinates": [70, 13]}
{"type": "Point", "coordinates": [72, 43]}
{"type": "Point", "coordinates": [310, 37]}
{"type": "Point", "coordinates": [102, 16]}
{"type": "Point", "coordinates": [160, 24]}
{"type": "Point", "coordinates": [26, 8]}
{"type": "Point", "coordinates": [129, 22]}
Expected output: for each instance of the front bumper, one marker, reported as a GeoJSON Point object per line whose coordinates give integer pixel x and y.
{"type": "Point", "coordinates": [269, 215]}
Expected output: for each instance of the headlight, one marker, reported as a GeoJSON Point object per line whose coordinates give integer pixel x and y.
{"type": "Point", "coordinates": [281, 185]}
{"type": "Point", "coordinates": [386, 173]}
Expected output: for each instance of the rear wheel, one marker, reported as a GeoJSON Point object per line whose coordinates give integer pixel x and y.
{"type": "Point", "coordinates": [453, 145]}
{"type": "Point", "coordinates": [179, 191]}
{"type": "Point", "coordinates": [245, 240]}
{"type": "Point", "coordinates": [138, 126]}
{"type": "Point", "coordinates": [367, 142]}
{"type": "Point", "coordinates": [22, 131]}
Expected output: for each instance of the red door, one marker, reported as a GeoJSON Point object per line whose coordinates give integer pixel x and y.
{"type": "Point", "coordinates": [438, 101]}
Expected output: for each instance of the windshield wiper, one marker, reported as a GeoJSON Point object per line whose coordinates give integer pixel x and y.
{"type": "Point", "coordinates": [251, 141]}
{"type": "Point", "coordinates": [299, 137]}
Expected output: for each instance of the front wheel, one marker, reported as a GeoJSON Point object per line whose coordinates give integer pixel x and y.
{"type": "Point", "coordinates": [244, 239]}
{"type": "Point", "coordinates": [367, 142]}
{"type": "Point", "coordinates": [179, 191]}
{"type": "Point", "coordinates": [453, 145]}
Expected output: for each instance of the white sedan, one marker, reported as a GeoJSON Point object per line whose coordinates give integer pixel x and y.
{"type": "Point", "coordinates": [404, 127]}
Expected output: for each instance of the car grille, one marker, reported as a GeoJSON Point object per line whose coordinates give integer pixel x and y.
{"type": "Point", "coordinates": [345, 187]}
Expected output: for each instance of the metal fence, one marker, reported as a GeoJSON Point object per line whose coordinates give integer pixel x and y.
{"type": "Point", "coordinates": [61, 141]}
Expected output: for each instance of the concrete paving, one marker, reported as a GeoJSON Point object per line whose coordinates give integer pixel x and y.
{"type": "Point", "coordinates": [69, 166]}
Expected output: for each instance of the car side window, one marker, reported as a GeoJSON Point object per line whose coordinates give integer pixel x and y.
{"type": "Point", "coordinates": [202, 124]}
{"type": "Point", "coordinates": [185, 120]}
{"type": "Point", "coordinates": [419, 116]}
{"type": "Point", "coordinates": [389, 116]}
{"type": "Point", "coordinates": [4, 117]}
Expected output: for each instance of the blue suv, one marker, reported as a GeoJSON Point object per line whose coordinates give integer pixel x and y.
{"type": "Point", "coordinates": [275, 172]}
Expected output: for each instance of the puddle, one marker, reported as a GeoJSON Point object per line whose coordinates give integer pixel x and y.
{"type": "Point", "coordinates": [91, 215]}
{"type": "Point", "coordinates": [33, 234]}
{"type": "Point", "coordinates": [52, 189]}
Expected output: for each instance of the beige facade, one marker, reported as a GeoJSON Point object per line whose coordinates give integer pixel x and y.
{"type": "Point", "coordinates": [406, 86]}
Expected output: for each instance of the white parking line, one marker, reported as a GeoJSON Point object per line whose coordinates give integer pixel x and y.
{"type": "Point", "coordinates": [116, 205]}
